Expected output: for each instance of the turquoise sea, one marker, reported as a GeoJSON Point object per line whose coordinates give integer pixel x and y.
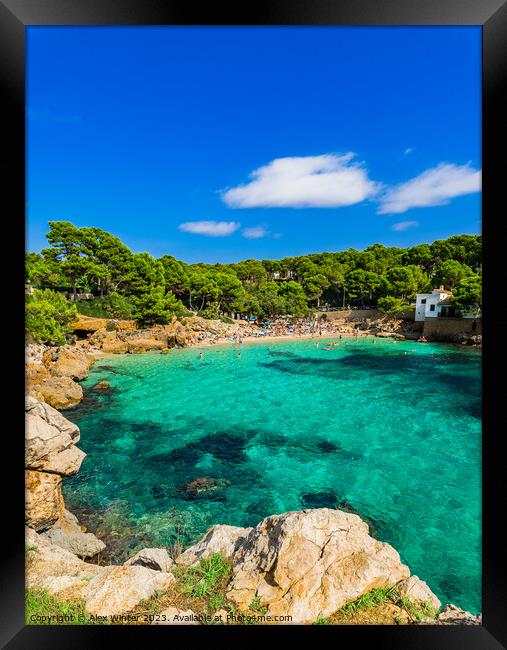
{"type": "Point", "coordinates": [288, 425]}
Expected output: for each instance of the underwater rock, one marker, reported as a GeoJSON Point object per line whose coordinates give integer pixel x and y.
{"type": "Point", "coordinates": [103, 387]}
{"type": "Point", "coordinates": [203, 484]}
{"type": "Point", "coordinates": [319, 500]}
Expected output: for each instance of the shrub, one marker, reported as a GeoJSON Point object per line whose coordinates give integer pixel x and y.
{"type": "Point", "coordinates": [113, 305]}
{"type": "Point", "coordinates": [48, 316]}
{"type": "Point", "coordinates": [391, 305]}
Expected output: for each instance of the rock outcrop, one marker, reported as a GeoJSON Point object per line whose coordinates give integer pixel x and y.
{"type": "Point", "coordinates": [50, 440]}
{"type": "Point", "coordinates": [418, 592]}
{"type": "Point", "coordinates": [71, 362]}
{"type": "Point", "coordinates": [51, 454]}
{"type": "Point", "coordinates": [157, 559]}
{"type": "Point", "coordinates": [43, 499]}
{"type": "Point", "coordinates": [452, 615]}
{"type": "Point", "coordinates": [118, 589]}
{"type": "Point", "coordinates": [106, 590]}
{"type": "Point", "coordinates": [221, 539]}
{"type": "Point", "coordinates": [91, 324]}
{"type": "Point", "coordinates": [55, 569]}
{"type": "Point", "coordinates": [310, 563]}
{"type": "Point", "coordinates": [70, 535]}
{"type": "Point", "coordinates": [52, 373]}
{"type": "Point", "coordinates": [58, 392]}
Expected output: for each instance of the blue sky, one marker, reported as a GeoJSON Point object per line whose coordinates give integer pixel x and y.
{"type": "Point", "coordinates": [219, 144]}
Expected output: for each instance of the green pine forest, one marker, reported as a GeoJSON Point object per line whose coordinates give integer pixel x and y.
{"type": "Point", "coordinates": [138, 286]}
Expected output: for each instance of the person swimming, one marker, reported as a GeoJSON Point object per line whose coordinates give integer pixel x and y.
{"type": "Point", "coordinates": [201, 355]}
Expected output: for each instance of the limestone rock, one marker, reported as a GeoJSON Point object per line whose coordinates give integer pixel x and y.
{"type": "Point", "coordinates": [157, 559]}
{"type": "Point", "coordinates": [175, 616]}
{"type": "Point", "coordinates": [119, 589]}
{"type": "Point", "coordinates": [68, 534]}
{"type": "Point", "coordinates": [60, 392]}
{"type": "Point", "coordinates": [35, 373]}
{"type": "Point", "coordinates": [113, 345]}
{"type": "Point", "coordinates": [310, 563]}
{"type": "Point", "coordinates": [452, 615]}
{"type": "Point", "coordinates": [91, 324]}
{"type": "Point", "coordinates": [145, 344]}
{"type": "Point", "coordinates": [43, 499]}
{"type": "Point", "coordinates": [72, 362]}
{"type": "Point", "coordinates": [222, 539]}
{"type": "Point", "coordinates": [34, 353]}
{"type": "Point", "coordinates": [55, 569]}
{"type": "Point", "coordinates": [418, 592]}
{"type": "Point", "coordinates": [50, 440]}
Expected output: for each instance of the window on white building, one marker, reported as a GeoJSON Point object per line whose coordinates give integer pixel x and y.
{"type": "Point", "coordinates": [432, 307]}
{"type": "Point", "coordinates": [423, 301]}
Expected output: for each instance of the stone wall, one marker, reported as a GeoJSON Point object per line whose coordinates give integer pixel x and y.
{"type": "Point", "coordinates": [450, 329]}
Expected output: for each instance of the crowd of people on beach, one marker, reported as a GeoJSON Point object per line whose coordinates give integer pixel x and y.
{"type": "Point", "coordinates": [280, 327]}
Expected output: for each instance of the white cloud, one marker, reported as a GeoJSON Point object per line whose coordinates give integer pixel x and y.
{"type": "Point", "coordinates": [436, 186]}
{"type": "Point", "coordinates": [255, 233]}
{"type": "Point", "coordinates": [408, 150]}
{"type": "Point", "coordinates": [326, 181]}
{"type": "Point", "coordinates": [404, 225]}
{"type": "Point", "coordinates": [210, 228]}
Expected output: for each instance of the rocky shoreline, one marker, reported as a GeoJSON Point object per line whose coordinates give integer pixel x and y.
{"type": "Point", "coordinates": [305, 565]}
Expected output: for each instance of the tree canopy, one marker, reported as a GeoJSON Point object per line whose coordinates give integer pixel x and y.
{"type": "Point", "coordinates": [153, 290]}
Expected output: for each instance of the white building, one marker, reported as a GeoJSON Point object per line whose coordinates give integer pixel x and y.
{"type": "Point", "coordinates": [431, 305]}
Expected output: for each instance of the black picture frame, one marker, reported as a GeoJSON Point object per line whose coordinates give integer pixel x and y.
{"type": "Point", "coordinates": [15, 16]}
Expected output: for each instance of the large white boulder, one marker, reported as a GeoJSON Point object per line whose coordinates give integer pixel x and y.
{"type": "Point", "coordinates": [118, 589]}
{"type": "Point", "coordinates": [50, 440]}
{"type": "Point", "coordinates": [310, 563]}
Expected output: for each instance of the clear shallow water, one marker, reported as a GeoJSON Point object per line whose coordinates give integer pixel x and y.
{"type": "Point", "coordinates": [394, 437]}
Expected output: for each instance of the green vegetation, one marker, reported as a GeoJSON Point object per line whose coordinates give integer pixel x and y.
{"type": "Point", "coordinates": [255, 606]}
{"type": "Point", "coordinates": [207, 579]}
{"type": "Point", "coordinates": [371, 599]}
{"type": "Point", "coordinates": [467, 296]}
{"type": "Point", "coordinates": [48, 316]}
{"type": "Point", "coordinates": [391, 305]}
{"type": "Point", "coordinates": [381, 596]}
{"type": "Point", "coordinates": [136, 285]}
{"type": "Point", "coordinates": [43, 609]}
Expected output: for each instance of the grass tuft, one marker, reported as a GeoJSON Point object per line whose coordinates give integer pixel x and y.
{"type": "Point", "coordinates": [41, 608]}
{"type": "Point", "coordinates": [207, 579]}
